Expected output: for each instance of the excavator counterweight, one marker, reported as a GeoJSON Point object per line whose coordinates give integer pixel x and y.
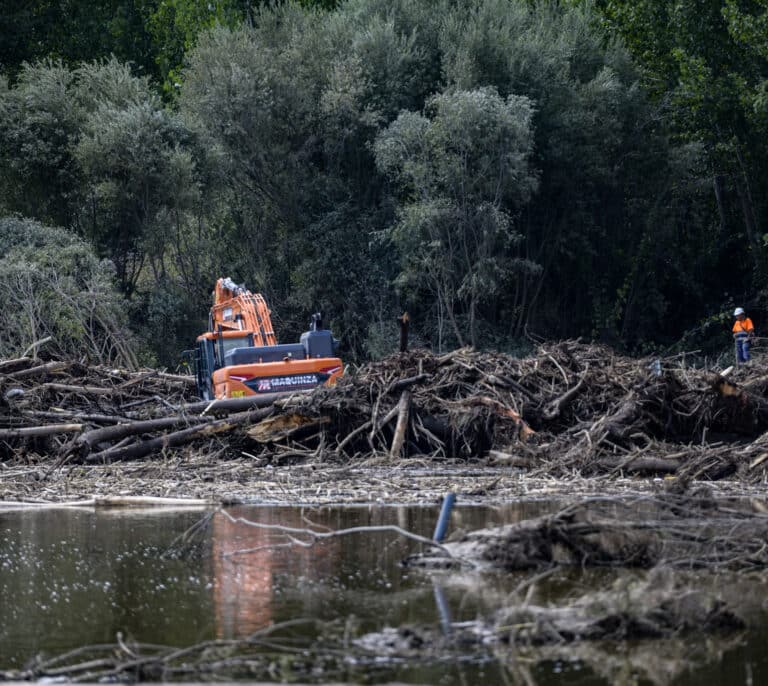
{"type": "Point", "coordinates": [239, 354]}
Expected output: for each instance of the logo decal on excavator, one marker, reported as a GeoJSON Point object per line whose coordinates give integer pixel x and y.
{"type": "Point", "coordinates": [273, 384]}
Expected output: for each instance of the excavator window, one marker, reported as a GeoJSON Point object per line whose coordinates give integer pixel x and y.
{"type": "Point", "coordinates": [230, 344]}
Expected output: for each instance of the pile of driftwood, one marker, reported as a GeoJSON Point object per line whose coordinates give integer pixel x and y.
{"type": "Point", "coordinates": [674, 627]}
{"type": "Point", "coordinates": [569, 408]}
{"type": "Point", "coordinates": [693, 531]}
{"type": "Point", "coordinates": [73, 412]}
{"type": "Point", "coordinates": [658, 607]}
{"type": "Point", "coordinates": [683, 565]}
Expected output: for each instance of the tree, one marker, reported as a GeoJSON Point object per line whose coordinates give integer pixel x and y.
{"type": "Point", "coordinates": [252, 96]}
{"type": "Point", "coordinates": [76, 31]}
{"type": "Point", "coordinates": [175, 26]}
{"type": "Point", "coordinates": [292, 107]}
{"type": "Point", "coordinates": [592, 128]}
{"type": "Point", "coordinates": [705, 62]}
{"type": "Point", "coordinates": [463, 169]}
{"type": "Point", "coordinates": [138, 174]}
{"type": "Point", "coordinates": [39, 123]}
{"type": "Point", "coordinates": [95, 149]}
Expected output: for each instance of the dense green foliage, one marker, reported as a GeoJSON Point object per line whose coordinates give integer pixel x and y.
{"type": "Point", "coordinates": [462, 173]}
{"type": "Point", "coordinates": [497, 167]}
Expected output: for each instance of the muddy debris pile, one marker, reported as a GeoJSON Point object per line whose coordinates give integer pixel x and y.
{"type": "Point", "coordinates": [692, 531]}
{"type": "Point", "coordinates": [631, 609]}
{"type": "Point", "coordinates": [672, 626]}
{"type": "Point", "coordinates": [570, 408]}
{"type": "Point", "coordinates": [672, 567]}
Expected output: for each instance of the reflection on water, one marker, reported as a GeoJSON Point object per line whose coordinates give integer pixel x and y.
{"type": "Point", "coordinates": [74, 578]}
{"type": "Point", "coordinates": [249, 564]}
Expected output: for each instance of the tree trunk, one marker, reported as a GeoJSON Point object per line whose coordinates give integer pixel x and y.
{"type": "Point", "coordinates": [718, 181]}
{"type": "Point", "coordinates": [748, 209]}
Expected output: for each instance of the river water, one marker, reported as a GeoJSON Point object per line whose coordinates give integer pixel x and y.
{"type": "Point", "coordinates": [70, 578]}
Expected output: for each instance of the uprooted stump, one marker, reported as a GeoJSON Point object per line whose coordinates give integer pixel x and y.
{"type": "Point", "coordinates": [686, 532]}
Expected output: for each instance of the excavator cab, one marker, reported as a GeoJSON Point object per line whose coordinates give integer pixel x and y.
{"type": "Point", "coordinates": [240, 356]}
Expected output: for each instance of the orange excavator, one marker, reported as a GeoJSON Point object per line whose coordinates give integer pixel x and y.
{"type": "Point", "coordinates": [239, 354]}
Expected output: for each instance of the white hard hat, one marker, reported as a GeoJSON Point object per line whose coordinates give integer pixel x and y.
{"type": "Point", "coordinates": [738, 311]}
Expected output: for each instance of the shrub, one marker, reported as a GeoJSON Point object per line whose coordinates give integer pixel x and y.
{"type": "Point", "coordinates": [53, 286]}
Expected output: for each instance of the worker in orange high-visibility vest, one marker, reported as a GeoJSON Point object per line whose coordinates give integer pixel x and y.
{"type": "Point", "coordinates": [743, 333]}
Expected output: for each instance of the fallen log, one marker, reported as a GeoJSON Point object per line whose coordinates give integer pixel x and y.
{"type": "Point", "coordinates": [108, 501]}
{"type": "Point", "coordinates": [48, 430]}
{"type": "Point", "coordinates": [186, 379]}
{"type": "Point", "coordinates": [86, 441]}
{"type": "Point", "coordinates": [403, 411]}
{"type": "Point", "coordinates": [8, 366]}
{"type": "Point", "coordinates": [284, 425]}
{"type": "Point", "coordinates": [78, 416]}
{"type": "Point", "coordinates": [402, 384]}
{"type": "Point", "coordinates": [498, 457]}
{"type": "Point", "coordinates": [33, 348]}
{"type": "Point", "coordinates": [127, 501]}
{"type": "Point", "coordinates": [177, 438]}
{"type": "Point", "coordinates": [619, 423]}
{"type": "Point", "coordinates": [233, 404]}
{"type": "Point", "coordinates": [505, 382]}
{"type": "Point", "coordinates": [555, 407]}
{"type": "Point", "coordinates": [85, 390]}
{"type": "Point", "coordinates": [47, 368]}
{"type": "Point", "coordinates": [641, 465]}
{"type": "Point", "coordinates": [138, 378]}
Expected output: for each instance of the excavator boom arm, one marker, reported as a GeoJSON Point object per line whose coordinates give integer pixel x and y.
{"type": "Point", "coordinates": [237, 309]}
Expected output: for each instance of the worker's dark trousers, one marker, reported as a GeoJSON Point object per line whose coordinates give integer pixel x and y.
{"type": "Point", "coordinates": [742, 349]}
